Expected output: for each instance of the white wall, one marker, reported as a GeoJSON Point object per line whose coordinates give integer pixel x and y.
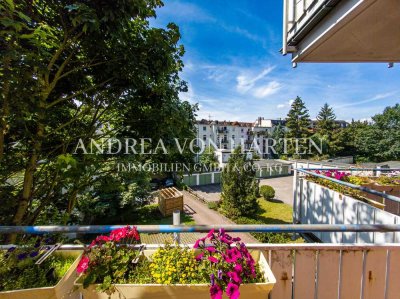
{"type": "Point", "coordinates": [315, 204]}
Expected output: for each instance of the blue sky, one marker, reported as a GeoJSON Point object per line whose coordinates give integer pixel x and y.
{"type": "Point", "coordinates": [235, 71]}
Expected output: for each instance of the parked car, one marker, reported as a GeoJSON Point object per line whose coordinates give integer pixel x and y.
{"type": "Point", "coordinates": [169, 182]}
{"type": "Point", "coordinates": [155, 184]}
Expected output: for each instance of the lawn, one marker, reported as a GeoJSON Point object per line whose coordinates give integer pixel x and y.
{"type": "Point", "coordinates": [274, 212]}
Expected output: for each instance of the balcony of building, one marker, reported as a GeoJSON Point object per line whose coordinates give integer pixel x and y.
{"type": "Point", "coordinates": [222, 130]}
{"type": "Point", "coordinates": [341, 30]}
{"type": "Point", "coordinates": [302, 271]}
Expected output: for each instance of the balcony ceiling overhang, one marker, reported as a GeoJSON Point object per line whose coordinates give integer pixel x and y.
{"type": "Point", "coordinates": [354, 31]}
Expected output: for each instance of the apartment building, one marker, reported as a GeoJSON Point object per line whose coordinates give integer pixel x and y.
{"type": "Point", "coordinates": [224, 134]}
{"type": "Point", "coordinates": [227, 135]}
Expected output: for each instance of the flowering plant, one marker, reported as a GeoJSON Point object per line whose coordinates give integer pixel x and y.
{"type": "Point", "coordinates": [227, 263]}
{"type": "Point", "coordinates": [19, 269]}
{"type": "Point", "coordinates": [110, 259]}
{"type": "Point", "coordinates": [335, 174]}
{"type": "Point", "coordinates": [175, 264]}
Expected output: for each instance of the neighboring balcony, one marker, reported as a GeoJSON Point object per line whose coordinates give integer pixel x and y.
{"type": "Point", "coordinates": [222, 131]}
{"type": "Point", "coordinates": [342, 30]}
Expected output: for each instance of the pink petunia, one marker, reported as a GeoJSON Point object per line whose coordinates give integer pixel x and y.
{"type": "Point", "coordinates": [235, 277]}
{"type": "Point", "coordinates": [215, 292]}
{"type": "Point", "coordinates": [211, 249]}
{"type": "Point", "coordinates": [210, 233]}
{"type": "Point", "coordinates": [199, 257]}
{"type": "Point", "coordinates": [83, 264]}
{"type": "Point", "coordinates": [238, 268]}
{"type": "Point", "coordinates": [213, 259]}
{"type": "Point", "coordinates": [232, 290]}
{"type": "Point", "coordinates": [197, 243]}
{"type": "Point", "coordinates": [225, 240]}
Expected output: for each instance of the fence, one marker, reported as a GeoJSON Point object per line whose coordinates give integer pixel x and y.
{"type": "Point", "coordinates": [198, 179]}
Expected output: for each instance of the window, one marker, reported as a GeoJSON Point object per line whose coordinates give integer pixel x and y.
{"type": "Point", "coordinates": [225, 146]}
{"type": "Point", "coordinates": [204, 128]}
{"type": "Point", "coordinates": [233, 137]}
{"type": "Point", "coordinates": [205, 137]}
{"type": "Point", "coordinates": [241, 130]}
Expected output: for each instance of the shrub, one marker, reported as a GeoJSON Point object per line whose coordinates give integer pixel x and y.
{"type": "Point", "coordinates": [267, 192]}
{"type": "Point", "coordinates": [213, 205]}
{"type": "Point", "coordinates": [278, 238]}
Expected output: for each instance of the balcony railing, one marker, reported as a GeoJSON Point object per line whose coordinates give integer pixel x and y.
{"type": "Point", "coordinates": [318, 204]}
{"type": "Point", "coordinates": [302, 271]}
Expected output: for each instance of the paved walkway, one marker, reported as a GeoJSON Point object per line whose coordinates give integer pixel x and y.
{"type": "Point", "coordinates": [208, 192]}
{"type": "Point", "coordinates": [201, 215]}
{"type": "Point", "coordinates": [283, 188]}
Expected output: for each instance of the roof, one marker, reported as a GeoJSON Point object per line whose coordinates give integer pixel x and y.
{"type": "Point", "coordinates": [224, 123]}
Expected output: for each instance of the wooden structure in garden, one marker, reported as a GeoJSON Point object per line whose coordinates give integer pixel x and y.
{"type": "Point", "coordinates": [169, 200]}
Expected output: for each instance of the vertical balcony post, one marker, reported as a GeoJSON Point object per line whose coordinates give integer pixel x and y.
{"type": "Point", "coordinates": [176, 217]}
{"type": "Point", "coordinates": [295, 210]}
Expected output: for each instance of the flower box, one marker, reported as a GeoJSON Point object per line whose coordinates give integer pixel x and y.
{"type": "Point", "coordinates": [187, 291]}
{"type": "Point", "coordinates": [62, 290]}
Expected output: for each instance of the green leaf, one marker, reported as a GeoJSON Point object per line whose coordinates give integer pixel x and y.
{"type": "Point", "coordinates": [11, 5]}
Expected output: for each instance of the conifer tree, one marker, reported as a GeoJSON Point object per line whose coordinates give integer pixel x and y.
{"type": "Point", "coordinates": [298, 122]}
{"type": "Point", "coordinates": [239, 186]}
{"type": "Point", "coordinates": [326, 121]}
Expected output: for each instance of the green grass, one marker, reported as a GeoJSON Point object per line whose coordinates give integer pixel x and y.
{"type": "Point", "coordinates": [274, 212]}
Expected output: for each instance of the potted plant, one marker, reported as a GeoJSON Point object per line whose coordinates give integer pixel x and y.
{"type": "Point", "coordinates": [113, 268]}
{"type": "Point", "coordinates": [21, 276]}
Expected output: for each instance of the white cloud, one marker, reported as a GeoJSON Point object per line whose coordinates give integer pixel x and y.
{"type": "Point", "coordinates": [184, 12]}
{"type": "Point", "coordinates": [267, 90]}
{"type": "Point", "coordinates": [373, 99]}
{"type": "Point", "coordinates": [285, 105]}
{"type": "Point", "coordinates": [246, 82]}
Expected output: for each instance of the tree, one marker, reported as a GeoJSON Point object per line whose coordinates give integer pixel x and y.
{"type": "Point", "coordinates": [328, 132]}
{"type": "Point", "coordinates": [208, 157]}
{"type": "Point", "coordinates": [298, 123]}
{"type": "Point", "coordinates": [326, 120]}
{"type": "Point", "coordinates": [239, 186]}
{"type": "Point", "coordinates": [387, 133]}
{"type": "Point", "coordinates": [278, 134]}
{"type": "Point", "coordinates": [81, 70]}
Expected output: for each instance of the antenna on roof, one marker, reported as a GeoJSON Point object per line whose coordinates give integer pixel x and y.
{"type": "Point", "coordinates": [209, 117]}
